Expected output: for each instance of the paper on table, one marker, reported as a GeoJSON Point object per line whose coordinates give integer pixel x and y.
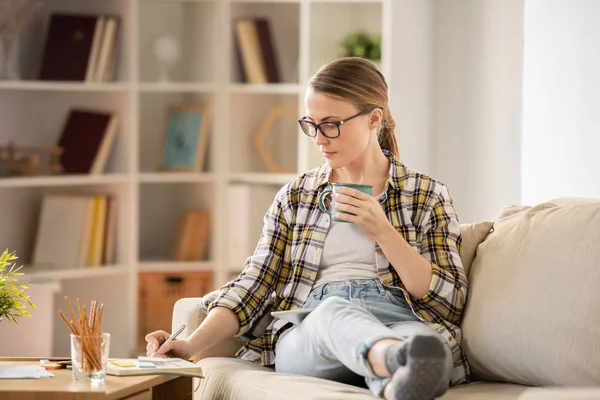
{"type": "Point", "coordinates": [24, 372]}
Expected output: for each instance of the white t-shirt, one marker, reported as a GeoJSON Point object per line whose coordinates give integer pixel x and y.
{"type": "Point", "coordinates": [349, 253]}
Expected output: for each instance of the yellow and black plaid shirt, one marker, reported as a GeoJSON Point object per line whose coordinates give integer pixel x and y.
{"type": "Point", "coordinates": [281, 272]}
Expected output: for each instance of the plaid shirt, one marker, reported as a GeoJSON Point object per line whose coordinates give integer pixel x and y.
{"type": "Point", "coordinates": [281, 272]}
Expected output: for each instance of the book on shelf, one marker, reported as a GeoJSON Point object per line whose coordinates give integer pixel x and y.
{"type": "Point", "coordinates": [87, 139]}
{"type": "Point", "coordinates": [88, 41]}
{"type": "Point", "coordinates": [256, 54]}
{"type": "Point", "coordinates": [75, 230]}
{"type": "Point", "coordinates": [152, 366]}
{"type": "Point", "coordinates": [192, 236]}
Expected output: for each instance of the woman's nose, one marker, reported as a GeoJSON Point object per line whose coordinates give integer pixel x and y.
{"type": "Point", "coordinates": [320, 138]}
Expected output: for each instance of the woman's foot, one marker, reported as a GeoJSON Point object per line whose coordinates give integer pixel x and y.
{"type": "Point", "coordinates": [421, 369]}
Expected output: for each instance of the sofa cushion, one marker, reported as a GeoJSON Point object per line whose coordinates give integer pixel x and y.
{"type": "Point", "coordinates": [472, 236]}
{"type": "Point", "coordinates": [533, 308]}
{"type": "Point", "coordinates": [233, 379]}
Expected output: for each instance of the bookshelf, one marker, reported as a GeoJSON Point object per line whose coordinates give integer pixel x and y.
{"type": "Point", "coordinates": [306, 33]}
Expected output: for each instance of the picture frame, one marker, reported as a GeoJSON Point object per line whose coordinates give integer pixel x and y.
{"type": "Point", "coordinates": [186, 137]}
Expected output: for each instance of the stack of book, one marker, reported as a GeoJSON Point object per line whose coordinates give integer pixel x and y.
{"type": "Point", "coordinates": [75, 230]}
{"type": "Point", "coordinates": [80, 47]}
{"type": "Point", "coordinates": [256, 51]}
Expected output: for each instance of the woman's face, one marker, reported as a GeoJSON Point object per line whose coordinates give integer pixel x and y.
{"type": "Point", "coordinates": [354, 134]}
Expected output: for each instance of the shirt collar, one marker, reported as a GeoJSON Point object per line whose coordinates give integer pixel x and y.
{"type": "Point", "coordinates": [395, 175]}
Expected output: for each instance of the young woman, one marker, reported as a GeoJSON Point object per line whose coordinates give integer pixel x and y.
{"type": "Point", "coordinates": [385, 280]}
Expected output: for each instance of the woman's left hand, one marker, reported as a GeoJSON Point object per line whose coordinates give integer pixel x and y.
{"type": "Point", "coordinates": [368, 213]}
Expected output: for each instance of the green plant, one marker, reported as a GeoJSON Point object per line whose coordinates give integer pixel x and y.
{"type": "Point", "coordinates": [362, 44]}
{"type": "Point", "coordinates": [13, 299]}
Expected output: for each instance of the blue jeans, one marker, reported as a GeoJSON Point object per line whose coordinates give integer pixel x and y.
{"type": "Point", "coordinates": [349, 317]}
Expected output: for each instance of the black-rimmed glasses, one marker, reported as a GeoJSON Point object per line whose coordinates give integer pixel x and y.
{"type": "Point", "coordinates": [328, 129]}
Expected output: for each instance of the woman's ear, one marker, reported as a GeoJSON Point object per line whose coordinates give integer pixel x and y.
{"type": "Point", "coordinates": [375, 118]}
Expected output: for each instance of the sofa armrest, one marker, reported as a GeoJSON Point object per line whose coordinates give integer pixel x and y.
{"type": "Point", "coordinates": [188, 311]}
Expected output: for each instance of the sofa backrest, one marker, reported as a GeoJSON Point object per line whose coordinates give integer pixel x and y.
{"type": "Point", "coordinates": [533, 309]}
{"type": "Point", "coordinates": [472, 236]}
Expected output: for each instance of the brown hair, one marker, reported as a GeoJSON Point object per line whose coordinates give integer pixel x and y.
{"type": "Point", "coordinates": [359, 81]}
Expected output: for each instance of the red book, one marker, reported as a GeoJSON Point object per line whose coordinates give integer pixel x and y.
{"type": "Point", "coordinates": [68, 47]}
{"type": "Point", "coordinates": [86, 139]}
{"type": "Point", "coordinates": [267, 50]}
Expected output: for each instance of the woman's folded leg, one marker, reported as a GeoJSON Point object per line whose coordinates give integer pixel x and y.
{"type": "Point", "coordinates": [333, 338]}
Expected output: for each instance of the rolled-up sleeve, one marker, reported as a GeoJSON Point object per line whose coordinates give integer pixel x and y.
{"type": "Point", "coordinates": [249, 296]}
{"type": "Point", "coordinates": [441, 246]}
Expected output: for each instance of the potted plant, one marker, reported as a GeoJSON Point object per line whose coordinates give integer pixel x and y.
{"type": "Point", "coordinates": [13, 298]}
{"type": "Point", "coordinates": [364, 45]}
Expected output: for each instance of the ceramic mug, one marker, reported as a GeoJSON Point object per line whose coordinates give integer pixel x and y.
{"type": "Point", "coordinates": [323, 206]}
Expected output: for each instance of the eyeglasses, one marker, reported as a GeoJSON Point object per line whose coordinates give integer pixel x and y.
{"type": "Point", "coordinates": [328, 129]}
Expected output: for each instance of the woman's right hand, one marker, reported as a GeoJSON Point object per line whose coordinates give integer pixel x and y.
{"type": "Point", "coordinates": [175, 348]}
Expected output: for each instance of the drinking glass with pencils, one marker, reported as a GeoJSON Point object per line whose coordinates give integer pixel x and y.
{"type": "Point", "coordinates": [89, 346]}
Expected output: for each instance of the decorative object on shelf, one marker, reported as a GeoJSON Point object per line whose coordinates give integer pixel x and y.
{"type": "Point", "coordinates": [260, 141]}
{"type": "Point", "coordinates": [29, 160]}
{"type": "Point", "coordinates": [186, 137]}
{"type": "Point", "coordinates": [15, 16]}
{"type": "Point", "coordinates": [364, 45]}
{"type": "Point", "coordinates": [13, 297]}
{"type": "Point", "coordinates": [88, 41]}
{"type": "Point", "coordinates": [167, 51]}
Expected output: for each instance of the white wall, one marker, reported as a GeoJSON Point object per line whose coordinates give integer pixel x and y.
{"type": "Point", "coordinates": [477, 120]}
{"type": "Point", "coordinates": [456, 95]}
{"type": "Point", "coordinates": [561, 100]}
{"type": "Point", "coordinates": [410, 81]}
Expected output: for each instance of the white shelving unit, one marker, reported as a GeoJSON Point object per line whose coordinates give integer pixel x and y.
{"type": "Point", "coordinates": [306, 33]}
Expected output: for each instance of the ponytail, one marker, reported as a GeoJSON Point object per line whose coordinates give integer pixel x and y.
{"type": "Point", "coordinates": [387, 137]}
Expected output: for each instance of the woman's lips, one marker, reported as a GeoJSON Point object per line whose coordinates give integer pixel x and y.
{"type": "Point", "coordinates": [328, 154]}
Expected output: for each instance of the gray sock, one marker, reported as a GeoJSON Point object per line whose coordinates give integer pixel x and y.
{"type": "Point", "coordinates": [423, 375]}
{"type": "Point", "coordinates": [395, 356]}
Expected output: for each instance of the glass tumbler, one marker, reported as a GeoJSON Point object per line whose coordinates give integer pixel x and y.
{"type": "Point", "coordinates": [89, 355]}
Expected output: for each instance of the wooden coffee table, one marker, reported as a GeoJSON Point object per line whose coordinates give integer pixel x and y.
{"type": "Point", "coordinates": [62, 386]}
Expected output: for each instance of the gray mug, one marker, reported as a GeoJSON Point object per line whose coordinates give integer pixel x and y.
{"type": "Point", "coordinates": [323, 206]}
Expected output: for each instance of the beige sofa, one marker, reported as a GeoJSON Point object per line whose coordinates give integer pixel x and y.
{"type": "Point", "coordinates": [531, 325]}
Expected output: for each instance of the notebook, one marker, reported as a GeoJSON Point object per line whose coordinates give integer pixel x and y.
{"type": "Point", "coordinates": [152, 366]}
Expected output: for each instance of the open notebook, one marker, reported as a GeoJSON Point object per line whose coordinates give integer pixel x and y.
{"type": "Point", "coordinates": [152, 366]}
